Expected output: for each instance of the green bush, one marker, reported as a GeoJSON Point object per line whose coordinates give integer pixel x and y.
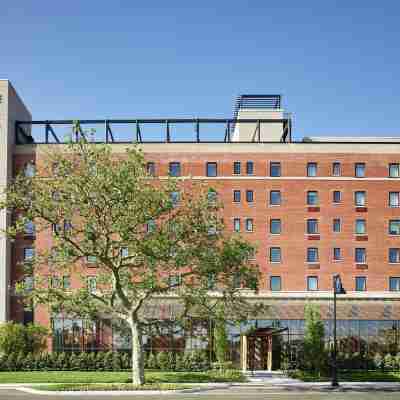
{"type": "Point", "coordinates": [152, 362]}
{"type": "Point", "coordinates": [108, 361]}
{"type": "Point", "coordinates": [378, 361]}
{"type": "Point", "coordinates": [162, 360]}
{"type": "Point", "coordinates": [179, 364]}
{"type": "Point", "coordinates": [100, 361]}
{"type": "Point", "coordinates": [116, 362]}
{"type": "Point", "coordinates": [389, 362]}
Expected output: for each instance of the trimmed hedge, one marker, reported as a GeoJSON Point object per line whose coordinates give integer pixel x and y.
{"type": "Point", "coordinates": [102, 361]}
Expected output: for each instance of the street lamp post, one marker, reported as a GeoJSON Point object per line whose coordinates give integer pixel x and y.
{"type": "Point", "coordinates": [337, 289]}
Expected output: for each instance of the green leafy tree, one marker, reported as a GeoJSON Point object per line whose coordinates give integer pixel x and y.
{"type": "Point", "coordinates": [153, 241]}
{"type": "Point", "coordinates": [314, 344]}
{"type": "Point", "coordinates": [221, 344]}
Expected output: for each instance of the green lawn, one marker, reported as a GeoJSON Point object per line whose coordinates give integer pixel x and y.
{"type": "Point", "coordinates": [153, 377]}
{"type": "Point", "coordinates": [351, 376]}
{"type": "Point", "coordinates": [73, 387]}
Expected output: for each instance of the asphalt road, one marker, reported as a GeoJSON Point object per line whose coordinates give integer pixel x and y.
{"type": "Point", "coordinates": [235, 394]}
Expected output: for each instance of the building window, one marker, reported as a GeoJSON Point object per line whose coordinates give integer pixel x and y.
{"type": "Point", "coordinates": [394, 227]}
{"type": "Point", "coordinates": [312, 198]}
{"type": "Point", "coordinates": [29, 253]}
{"type": "Point", "coordinates": [312, 255]}
{"type": "Point", "coordinates": [175, 169]}
{"type": "Point", "coordinates": [91, 259]}
{"type": "Point", "coordinates": [361, 283]}
{"type": "Point", "coordinates": [249, 168]}
{"type": "Point", "coordinates": [337, 196]}
{"type": "Point", "coordinates": [212, 196]}
{"type": "Point", "coordinates": [236, 224]}
{"type": "Point", "coordinates": [249, 196]}
{"type": "Point", "coordinates": [91, 284]}
{"type": "Point", "coordinates": [236, 168]}
{"type": "Point", "coordinates": [394, 284]}
{"type": "Point", "coordinates": [312, 226]}
{"type": "Point", "coordinates": [151, 168]}
{"type": "Point", "coordinates": [29, 283]}
{"type": "Point", "coordinates": [275, 169]}
{"type": "Point", "coordinates": [275, 198]}
{"type": "Point", "coordinates": [55, 282]}
{"type": "Point", "coordinates": [249, 225]}
{"type": "Point", "coordinates": [175, 280]}
{"type": "Point", "coordinates": [275, 226]}
{"type": "Point", "coordinates": [29, 228]}
{"type": "Point", "coordinates": [336, 169]}
{"type": "Point", "coordinates": [211, 169]}
{"type": "Point", "coordinates": [361, 255]}
{"type": "Point", "coordinates": [359, 170]}
{"type": "Point", "coordinates": [361, 227]}
{"type": "Point", "coordinates": [394, 198]}
{"type": "Point", "coordinates": [337, 254]}
{"type": "Point", "coordinates": [394, 256]}
{"type": "Point", "coordinates": [124, 252]}
{"type": "Point", "coordinates": [394, 170]}
{"type": "Point", "coordinates": [151, 226]}
{"type": "Point", "coordinates": [336, 225]}
{"type": "Point", "coordinates": [311, 169]}
{"type": "Point", "coordinates": [29, 170]}
{"type": "Point", "coordinates": [275, 283]}
{"type": "Point", "coordinates": [275, 254]}
{"type": "Point", "coordinates": [175, 196]}
{"type": "Point", "coordinates": [236, 196]}
{"type": "Point", "coordinates": [360, 198]}
{"type": "Point", "coordinates": [66, 282]}
{"type": "Point", "coordinates": [312, 283]}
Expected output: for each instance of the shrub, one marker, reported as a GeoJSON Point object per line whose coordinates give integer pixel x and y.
{"type": "Point", "coordinates": [74, 362]}
{"type": "Point", "coordinates": [108, 361]}
{"type": "Point", "coordinates": [91, 361]}
{"type": "Point", "coordinates": [152, 362]}
{"type": "Point", "coordinates": [12, 338]}
{"type": "Point", "coordinates": [126, 361]}
{"type": "Point", "coordinates": [10, 362]}
{"type": "Point", "coordinates": [179, 364]}
{"type": "Point", "coordinates": [388, 361]}
{"type": "Point", "coordinates": [397, 361]}
{"type": "Point", "coordinates": [378, 361]}
{"type": "Point", "coordinates": [162, 360]}
{"type": "Point", "coordinates": [36, 336]}
{"type": "Point", "coordinates": [28, 362]}
{"type": "Point", "coordinates": [171, 361]}
{"type": "Point", "coordinates": [100, 361]}
{"type": "Point", "coordinates": [116, 361]}
{"type": "Point", "coordinates": [63, 362]}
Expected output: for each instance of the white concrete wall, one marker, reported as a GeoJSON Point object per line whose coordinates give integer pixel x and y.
{"type": "Point", "coordinates": [11, 109]}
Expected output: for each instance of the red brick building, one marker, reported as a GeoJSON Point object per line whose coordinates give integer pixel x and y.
{"type": "Point", "coordinates": [314, 208]}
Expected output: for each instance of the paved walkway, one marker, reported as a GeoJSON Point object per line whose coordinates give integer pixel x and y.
{"type": "Point", "coordinates": [270, 378]}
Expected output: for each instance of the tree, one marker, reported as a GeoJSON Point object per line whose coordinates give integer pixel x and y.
{"type": "Point", "coordinates": [314, 352]}
{"type": "Point", "coordinates": [220, 339]}
{"type": "Point", "coordinates": [151, 240]}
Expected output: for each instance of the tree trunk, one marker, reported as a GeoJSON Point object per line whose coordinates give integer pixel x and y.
{"type": "Point", "coordinates": [137, 354]}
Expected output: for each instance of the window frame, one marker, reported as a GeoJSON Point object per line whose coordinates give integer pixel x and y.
{"type": "Point", "coordinates": [356, 194]}
{"type": "Point", "coordinates": [337, 255]}
{"type": "Point", "coordinates": [235, 198]}
{"type": "Point", "coordinates": [392, 221]}
{"type": "Point", "coordinates": [390, 198]}
{"type": "Point", "coordinates": [272, 249]}
{"type": "Point", "coordinates": [278, 223]}
{"type": "Point", "coordinates": [248, 168]}
{"type": "Point", "coordinates": [334, 165]}
{"type": "Point", "coordinates": [249, 224]}
{"type": "Point", "coordinates": [151, 168]}
{"type": "Point", "coordinates": [236, 224]}
{"type": "Point", "coordinates": [210, 172]}
{"type": "Point", "coordinates": [272, 166]}
{"type": "Point", "coordinates": [358, 165]}
{"type": "Point", "coordinates": [364, 224]}
{"type": "Point", "coordinates": [309, 221]}
{"type": "Point", "coordinates": [309, 169]}
{"type": "Point", "coordinates": [334, 199]}
{"type": "Point", "coordinates": [311, 250]}
{"type": "Point", "coordinates": [237, 164]}
{"type": "Point", "coordinates": [397, 255]}
{"type": "Point", "coordinates": [337, 222]}
{"type": "Point", "coordinates": [278, 282]}
{"type": "Point", "coordinates": [315, 278]}
{"type": "Point", "coordinates": [360, 251]}
{"type": "Point", "coordinates": [176, 164]}
{"type": "Point", "coordinates": [396, 287]}
{"type": "Point", "coordinates": [362, 279]}
{"type": "Point", "coordinates": [249, 196]}
{"type": "Point", "coordinates": [270, 198]}
{"type": "Point", "coordinates": [312, 194]}
{"type": "Point", "coordinates": [390, 169]}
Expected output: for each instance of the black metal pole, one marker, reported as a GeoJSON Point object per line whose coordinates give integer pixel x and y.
{"type": "Point", "coordinates": [335, 382]}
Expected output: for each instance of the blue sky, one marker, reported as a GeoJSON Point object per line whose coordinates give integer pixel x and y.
{"type": "Point", "coordinates": [336, 63]}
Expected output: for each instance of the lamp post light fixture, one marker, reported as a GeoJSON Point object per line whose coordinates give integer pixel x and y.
{"type": "Point", "coordinates": [337, 289]}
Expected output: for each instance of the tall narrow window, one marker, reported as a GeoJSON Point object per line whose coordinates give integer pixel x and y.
{"type": "Point", "coordinates": [394, 255]}
{"type": "Point", "coordinates": [360, 198]}
{"type": "Point", "coordinates": [337, 254]}
{"type": "Point", "coordinates": [312, 198]}
{"type": "Point", "coordinates": [275, 254]}
{"type": "Point", "coordinates": [312, 226]}
{"type": "Point", "coordinates": [312, 255]}
{"type": "Point", "coordinates": [275, 198]}
{"type": "Point", "coordinates": [336, 225]}
{"type": "Point", "coordinates": [359, 170]}
{"type": "Point", "coordinates": [175, 169]}
{"type": "Point", "coordinates": [29, 253]}
{"type": "Point", "coordinates": [175, 197]}
{"type": "Point", "coordinates": [336, 169]}
{"type": "Point", "coordinates": [337, 196]}
{"type": "Point", "coordinates": [394, 284]}
{"type": "Point", "coordinates": [249, 196]}
{"type": "Point", "coordinates": [236, 196]}
{"type": "Point", "coordinates": [151, 168]}
{"type": "Point", "coordinates": [29, 228]}
{"type": "Point", "coordinates": [312, 283]}
{"type": "Point", "coordinates": [211, 169]}
{"type": "Point", "coordinates": [249, 168]}
{"type": "Point", "coordinates": [91, 283]}
{"type": "Point", "coordinates": [29, 170]}
{"type": "Point", "coordinates": [275, 284]}
{"type": "Point", "coordinates": [249, 224]}
{"type": "Point", "coordinates": [311, 169]}
{"type": "Point", "coordinates": [360, 227]}
{"type": "Point", "coordinates": [275, 226]}
{"type": "Point", "coordinates": [394, 170]}
{"type": "Point", "coordinates": [236, 168]}
{"type": "Point", "coordinates": [394, 199]}
{"type": "Point", "coordinates": [361, 283]}
{"type": "Point", "coordinates": [360, 255]}
{"type": "Point", "coordinates": [275, 169]}
{"type": "Point", "coordinates": [236, 224]}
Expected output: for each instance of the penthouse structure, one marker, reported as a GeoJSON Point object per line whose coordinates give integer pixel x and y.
{"type": "Point", "coordinates": [314, 207]}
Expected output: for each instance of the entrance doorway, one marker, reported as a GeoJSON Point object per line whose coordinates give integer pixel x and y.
{"type": "Point", "coordinates": [260, 349]}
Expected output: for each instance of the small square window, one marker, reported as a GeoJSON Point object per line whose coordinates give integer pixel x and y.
{"type": "Point", "coordinates": [312, 283]}
{"type": "Point", "coordinates": [394, 227]}
{"type": "Point", "coordinates": [394, 199]}
{"type": "Point", "coordinates": [275, 284]}
{"type": "Point", "coordinates": [336, 169]}
{"type": "Point", "coordinates": [29, 228]}
{"type": "Point", "coordinates": [175, 169]}
{"type": "Point", "coordinates": [124, 252]}
{"type": "Point", "coordinates": [29, 253]}
{"type": "Point", "coordinates": [249, 196]}
{"type": "Point", "coordinates": [212, 169]}
{"type": "Point", "coordinates": [311, 169]}
{"type": "Point", "coordinates": [175, 197]}
{"type": "Point", "coordinates": [175, 280]}
{"type": "Point", "coordinates": [394, 170]}
{"type": "Point", "coordinates": [151, 168]}
{"type": "Point", "coordinates": [360, 198]}
{"type": "Point", "coordinates": [394, 284]}
{"type": "Point", "coordinates": [275, 198]}
{"type": "Point", "coordinates": [249, 224]}
{"type": "Point", "coordinates": [30, 170]}
{"type": "Point", "coordinates": [360, 255]}
{"type": "Point", "coordinates": [151, 226]}
{"type": "Point", "coordinates": [359, 170]}
{"type": "Point", "coordinates": [361, 283]}
{"type": "Point", "coordinates": [312, 226]}
{"type": "Point", "coordinates": [336, 225]}
{"type": "Point", "coordinates": [237, 168]}
{"type": "Point", "coordinates": [312, 198]}
{"type": "Point", "coordinates": [275, 254]}
{"type": "Point", "coordinates": [236, 224]}
{"type": "Point", "coordinates": [275, 226]}
{"type": "Point", "coordinates": [337, 253]}
{"type": "Point", "coordinates": [66, 282]}
{"type": "Point", "coordinates": [212, 195]}
{"type": "Point", "coordinates": [337, 196]}
{"type": "Point", "coordinates": [312, 255]}
{"type": "Point", "coordinates": [361, 227]}
{"type": "Point", "coordinates": [236, 196]}
{"type": "Point", "coordinates": [275, 169]}
{"type": "Point", "coordinates": [394, 255]}
{"type": "Point", "coordinates": [55, 282]}
{"type": "Point", "coordinates": [91, 259]}
{"type": "Point", "coordinates": [249, 168]}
